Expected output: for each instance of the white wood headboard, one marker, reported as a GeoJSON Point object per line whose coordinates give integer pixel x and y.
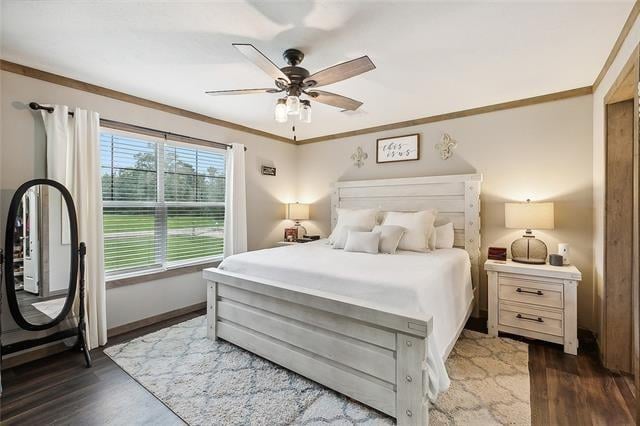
{"type": "Point", "coordinates": [456, 197]}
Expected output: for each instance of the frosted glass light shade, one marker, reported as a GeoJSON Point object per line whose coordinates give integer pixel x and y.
{"type": "Point", "coordinates": [305, 112]}
{"type": "Point", "coordinates": [297, 211]}
{"type": "Point", "coordinates": [293, 105]}
{"type": "Point", "coordinates": [528, 215]}
{"type": "Point", "coordinates": [281, 111]}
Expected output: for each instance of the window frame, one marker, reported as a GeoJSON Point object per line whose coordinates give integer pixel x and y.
{"type": "Point", "coordinates": [164, 268]}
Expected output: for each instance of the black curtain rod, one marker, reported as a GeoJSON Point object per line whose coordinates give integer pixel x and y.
{"type": "Point", "coordinates": [118, 124]}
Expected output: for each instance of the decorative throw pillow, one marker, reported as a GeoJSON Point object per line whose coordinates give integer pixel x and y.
{"type": "Point", "coordinates": [343, 233]}
{"type": "Point", "coordinates": [444, 236]}
{"type": "Point", "coordinates": [431, 239]}
{"type": "Point", "coordinates": [390, 236]}
{"type": "Point", "coordinates": [349, 217]}
{"type": "Point", "coordinates": [363, 242]}
{"type": "Point", "coordinates": [418, 226]}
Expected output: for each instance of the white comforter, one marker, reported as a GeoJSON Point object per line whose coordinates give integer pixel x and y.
{"type": "Point", "coordinates": [436, 283]}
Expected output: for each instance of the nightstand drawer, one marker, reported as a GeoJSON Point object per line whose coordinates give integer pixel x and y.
{"type": "Point", "coordinates": [528, 318]}
{"type": "Point", "coordinates": [536, 292]}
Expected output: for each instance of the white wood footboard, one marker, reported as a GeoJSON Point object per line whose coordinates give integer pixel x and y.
{"type": "Point", "coordinates": [374, 356]}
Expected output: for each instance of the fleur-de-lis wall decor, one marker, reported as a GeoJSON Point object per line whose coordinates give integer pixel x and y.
{"type": "Point", "coordinates": [358, 157]}
{"type": "Point", "coordinates": [446, 146]}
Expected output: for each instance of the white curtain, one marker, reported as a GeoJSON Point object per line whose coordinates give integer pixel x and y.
{"type": "Point", "coordinates": [73, 159]}
{"type": "Point", "coordinates": [235, 214]}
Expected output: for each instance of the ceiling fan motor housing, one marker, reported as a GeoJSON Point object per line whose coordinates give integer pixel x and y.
{"type": "Point", "coordinates": [296, 77]}
{"type": "Point", "coordinates": [295, 73]}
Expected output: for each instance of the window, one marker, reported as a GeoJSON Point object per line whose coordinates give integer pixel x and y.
{"type": "Point", "coordinates": [163, 203]}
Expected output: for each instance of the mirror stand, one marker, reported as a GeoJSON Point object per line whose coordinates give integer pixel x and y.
{"type": "Point", "coordinates": [41, 250]}
{"type": "Point", "coordinates": [79, 331]}
{"type": "Point", "coordinates": [82, 336]}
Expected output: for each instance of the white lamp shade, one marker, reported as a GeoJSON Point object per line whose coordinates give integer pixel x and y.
{"type": "Point", "coordinates": [528, 215]}
{"type": "Point", "coordinates": [297, 211]}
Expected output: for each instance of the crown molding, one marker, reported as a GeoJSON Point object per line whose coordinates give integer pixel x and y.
{"type": "Point", "coordinates": [626, 28]}
{"type": "Point", "coordinates": [121, 96]}
{"type": "Point", "coordinates": [582, 91]}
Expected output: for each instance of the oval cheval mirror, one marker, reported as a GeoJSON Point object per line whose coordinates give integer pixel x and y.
{"type": "Point", "coordinates": [44, 265]}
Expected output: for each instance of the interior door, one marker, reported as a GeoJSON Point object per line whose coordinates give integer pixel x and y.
{"type": "Point", "coordinates": [31, 242]}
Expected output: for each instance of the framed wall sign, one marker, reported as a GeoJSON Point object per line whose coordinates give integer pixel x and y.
{"type": "Point", "coordinates": [398, 148]}
{"type": "Point", "coordinates": [268, 171]}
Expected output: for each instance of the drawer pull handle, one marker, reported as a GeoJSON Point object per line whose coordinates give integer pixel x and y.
{"type": "Point", "coordinates": [537, 293]}
{"type": "Point", "coordinates": [520, 316]}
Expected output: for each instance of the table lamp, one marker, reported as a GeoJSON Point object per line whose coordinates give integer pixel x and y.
{"type": "Point", "coordinates": [528, 216]}
{"type": "Point", "coordinates": [298, 212]}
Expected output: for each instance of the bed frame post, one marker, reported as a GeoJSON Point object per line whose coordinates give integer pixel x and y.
{"type": "Point", "coordinates": [212, 302]}
{"type": "Point", "coordinates": [335, 203]}
{"type": "Point", "coordinates": [412, 404]}
{"type": "Point", "coordinates": [472, 236]}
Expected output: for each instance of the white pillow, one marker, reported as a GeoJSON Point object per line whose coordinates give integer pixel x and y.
{"type": "Point", "coordinates": [363, 242]}
{"type": "Point", "coordinates": [343, 233]}
{"type": "Point", "coordinates": [390, 236]}
{"type": "Point", "coordinates": [348, 217]}
{"type": "Point", "coordinates": [444, 236]}
{"type": "Point", "coordinates": [418, 225]}
{"type": "Point", "coordinates": [431, 239]}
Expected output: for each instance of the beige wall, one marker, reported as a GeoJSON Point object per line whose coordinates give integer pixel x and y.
{"type": "Point", "coordinates": [542, 152]}
{"type": "Point", "coordinates": [23, 158]}
{"type": "Point", "coordinates": [599, 146]}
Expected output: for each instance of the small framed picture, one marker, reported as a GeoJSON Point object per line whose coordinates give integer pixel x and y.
{"type": "Point", "coordinates": [268, 171]}
{"type": "Point", "coordinates": [290, 234]}
{"type": "Point", "coordinates": [398, 148]}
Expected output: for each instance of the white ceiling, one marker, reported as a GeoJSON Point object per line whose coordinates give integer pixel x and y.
{"type": "Point", "coordinates": [431, 57]}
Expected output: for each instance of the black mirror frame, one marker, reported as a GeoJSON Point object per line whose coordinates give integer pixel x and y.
{"type": "Point", "coordinates": [8, 264]}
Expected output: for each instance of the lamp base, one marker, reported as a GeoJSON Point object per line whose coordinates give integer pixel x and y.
{"type": "Point", "coordinates": [529, 250]}
{"type": "Point", "coordinates": [302, 231]}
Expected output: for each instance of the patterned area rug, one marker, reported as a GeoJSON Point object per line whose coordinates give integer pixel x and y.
{"type": "Point", "coordinates": [216, 383]}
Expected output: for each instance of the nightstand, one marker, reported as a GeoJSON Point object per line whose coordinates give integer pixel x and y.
{"type": "Point", "coordinates": [535, 301]}
{"type": "Point", "coordinates": [287, 243]}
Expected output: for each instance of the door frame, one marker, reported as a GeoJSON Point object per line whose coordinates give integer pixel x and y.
{"type": "Point", "coordinates": [625, 87]}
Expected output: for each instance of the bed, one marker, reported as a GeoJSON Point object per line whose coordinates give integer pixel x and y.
{"type": "Point", "coordinates": [376, 328]}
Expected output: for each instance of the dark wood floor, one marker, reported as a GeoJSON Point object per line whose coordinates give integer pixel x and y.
{"type": "Point", "coordinates": [574, 390]}
{"type": "Point", "coordinates": [29, 312]}
{"type": "Point", "coordinates": [59, 390]}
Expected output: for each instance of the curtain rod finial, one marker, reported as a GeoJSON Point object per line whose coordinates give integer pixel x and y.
{"type": "Point", "coordinates": [36, 106]}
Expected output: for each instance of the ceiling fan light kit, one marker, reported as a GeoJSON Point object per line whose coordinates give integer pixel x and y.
{"type": "Point", "coordinates": [296, 81]}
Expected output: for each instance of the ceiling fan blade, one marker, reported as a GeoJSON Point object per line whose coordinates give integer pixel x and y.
{"type": "Point", "coordinates": [241, 92]}
{"type": "Point", "coordinates": [259, 59]}
{"type": "Point", "coordinates": [334, 100]}
{"type": "Point", "coordinates": [340, 72]}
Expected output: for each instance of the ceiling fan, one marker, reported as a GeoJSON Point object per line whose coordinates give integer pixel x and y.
{"type": "Point", "coordinates": [296, 81]}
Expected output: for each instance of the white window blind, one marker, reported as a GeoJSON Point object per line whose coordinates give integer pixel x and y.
{"type": "Point", "coordinates": [163, 203]}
